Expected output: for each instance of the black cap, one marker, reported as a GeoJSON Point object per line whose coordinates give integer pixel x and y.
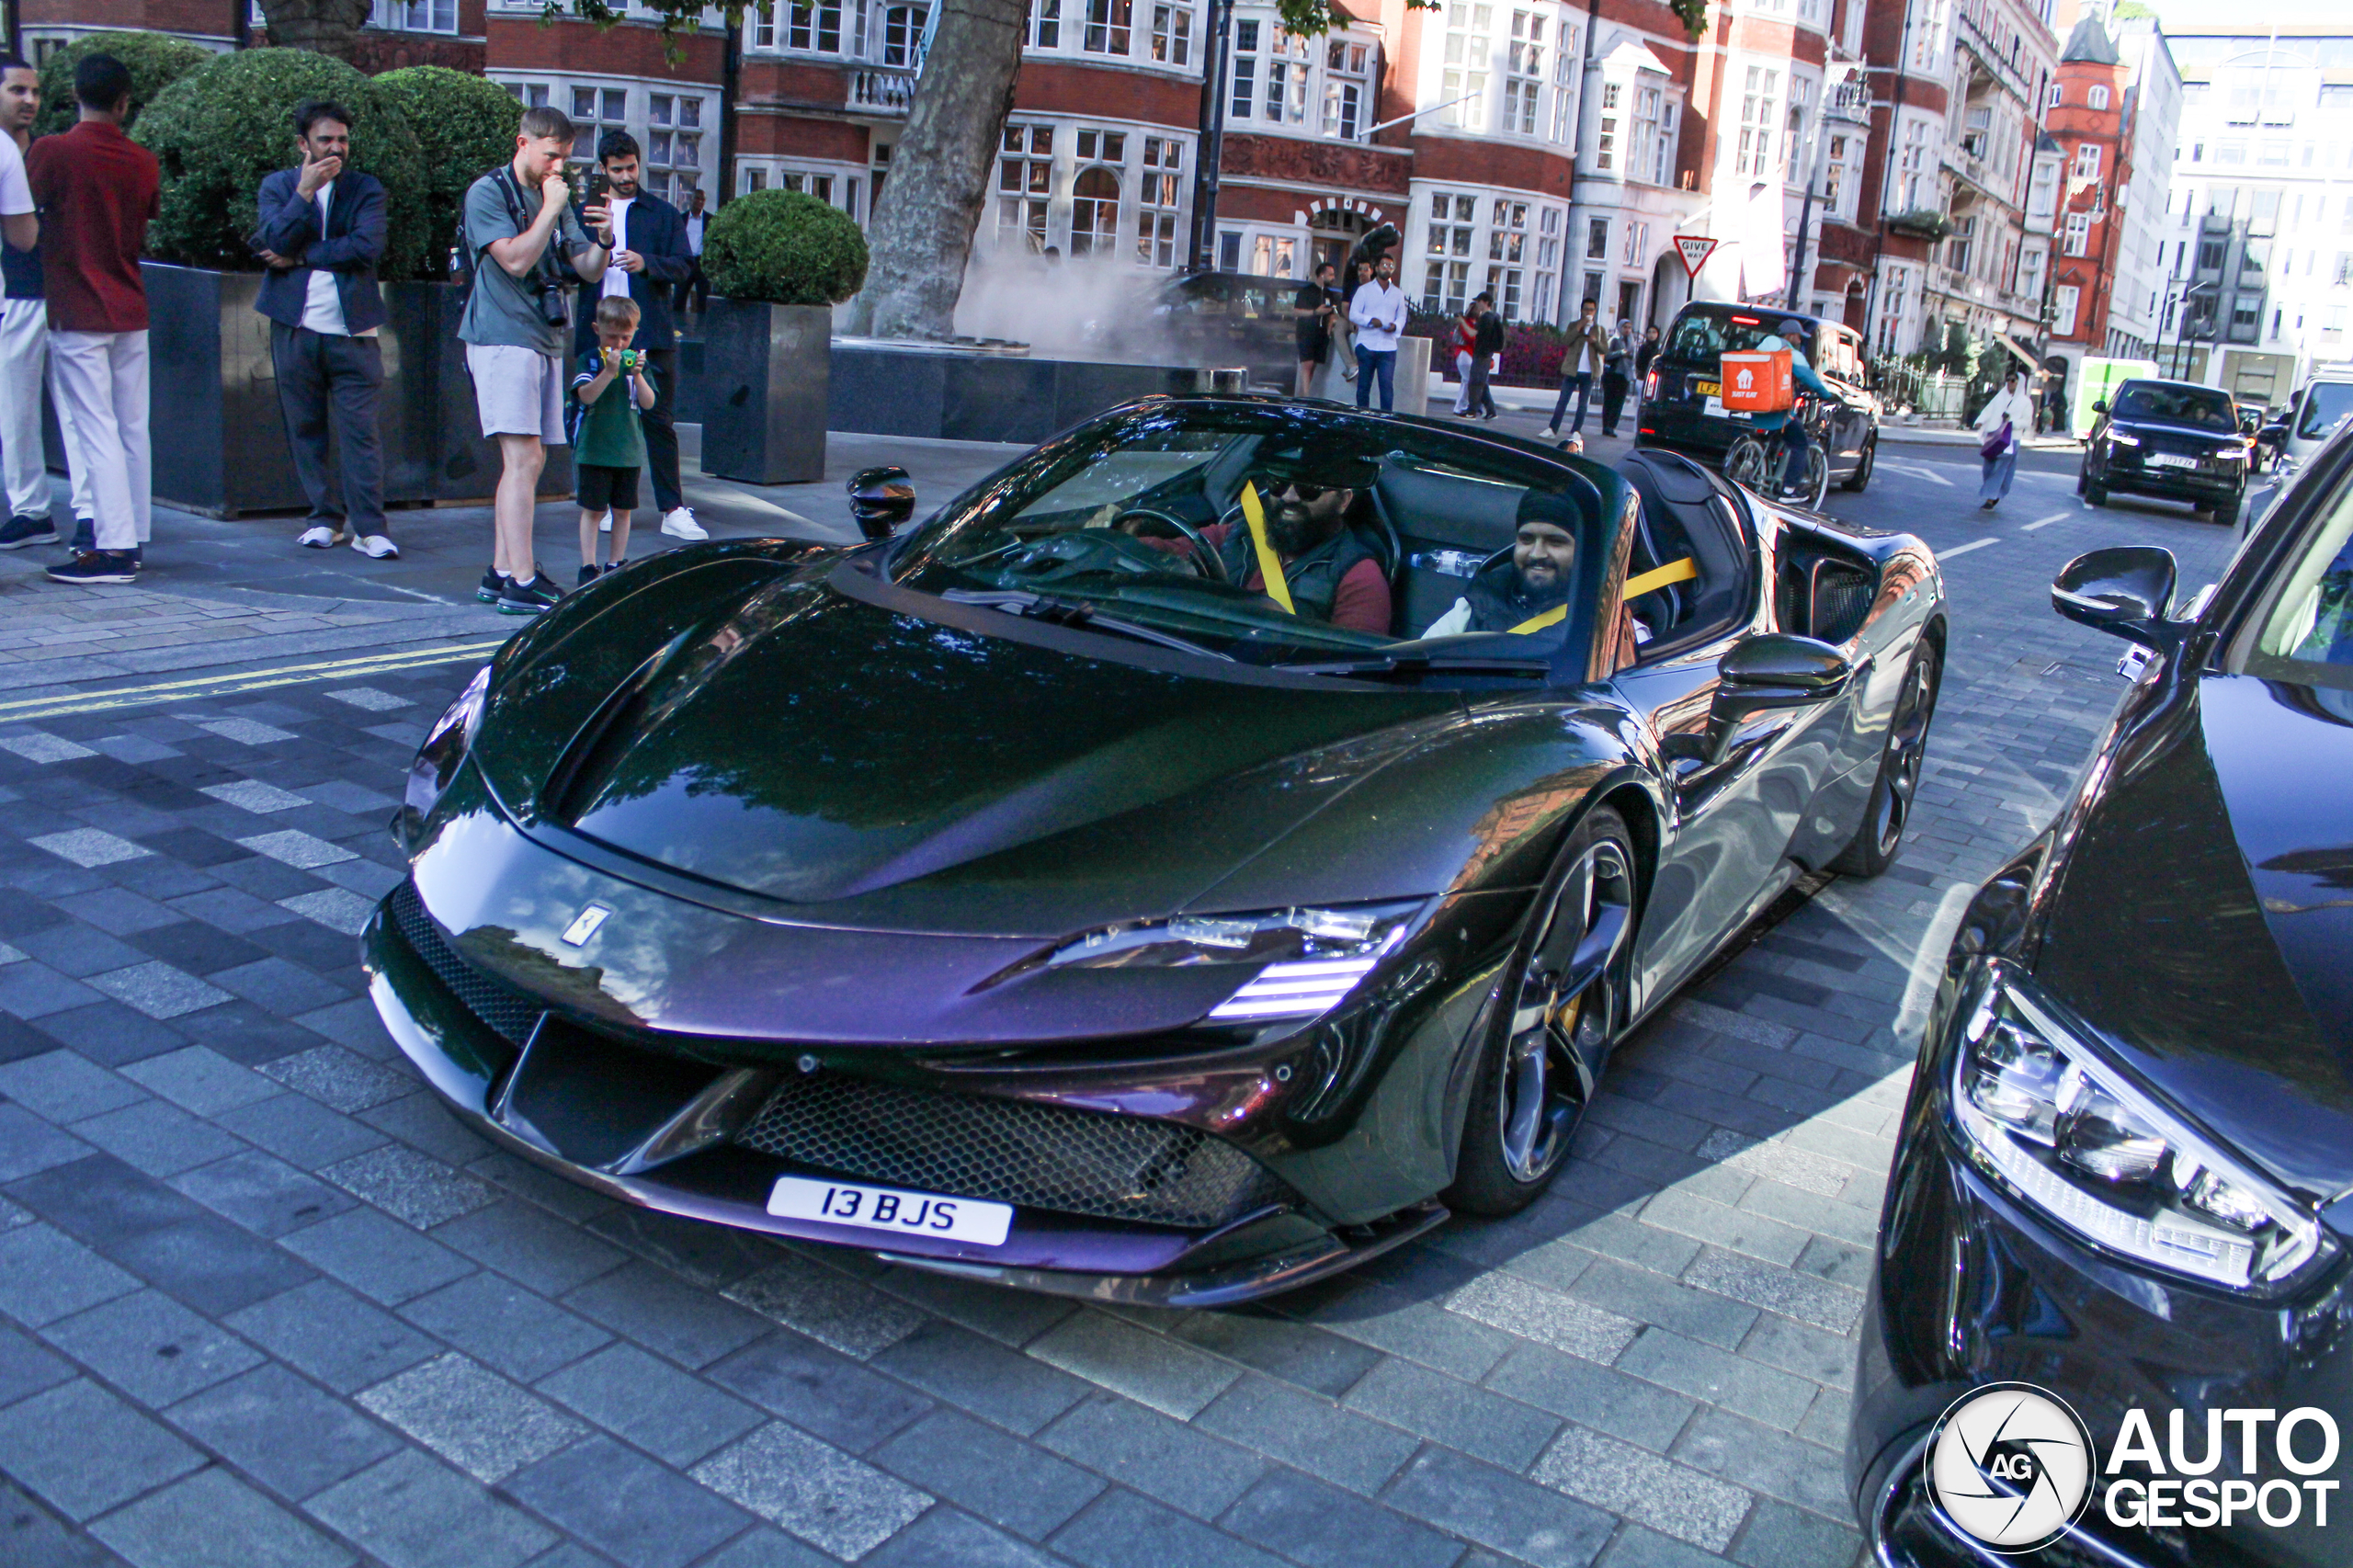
{"type": "Point", "coordinates": [1315, 463]}
{"type": "Point", "coordinates": [1550, 507]}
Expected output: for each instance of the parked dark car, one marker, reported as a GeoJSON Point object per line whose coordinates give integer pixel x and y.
{"type": "Point", "coordinates": [1023, 898]}
{"type": "Point", "coordinates": [1683, 408]}
{"type": "Point", "coordinates": [2125, 1172]}
{"type": "Point", "coordinates": [1220, 319]}
{"type": "Point", "coordinates": [2175, 440]}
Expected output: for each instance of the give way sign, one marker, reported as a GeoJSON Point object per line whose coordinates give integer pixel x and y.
{"type": "Point", "coordinates": [1695, 249]}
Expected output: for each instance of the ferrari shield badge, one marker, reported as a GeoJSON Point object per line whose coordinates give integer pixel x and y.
{"type": "Point", "coordinates": [585, 924]}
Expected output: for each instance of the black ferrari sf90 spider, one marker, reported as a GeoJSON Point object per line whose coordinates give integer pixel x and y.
{"type": "Point", "coordinates": [1196, 859]}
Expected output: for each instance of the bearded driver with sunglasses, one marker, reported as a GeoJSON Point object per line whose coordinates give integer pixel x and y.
{"type": "Point", "coordinates": [1292, 540]}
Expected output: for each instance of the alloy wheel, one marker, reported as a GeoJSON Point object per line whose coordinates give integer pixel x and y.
{"type": "Point", "coordinates": [1568, 1008]}
{"type": "Point", "coordinates": [1907, 746]}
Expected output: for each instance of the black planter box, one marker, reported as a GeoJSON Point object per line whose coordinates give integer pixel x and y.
{"type": "Point", "coordinates": [903, 389]}
{"type": "Point", "coordinates": [766, 371]}
{"type": "Point", "coordinates": [218, 438]}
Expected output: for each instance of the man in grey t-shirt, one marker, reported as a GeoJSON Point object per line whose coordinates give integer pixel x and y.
{"type": "Point", "coordinates": [525, 243]}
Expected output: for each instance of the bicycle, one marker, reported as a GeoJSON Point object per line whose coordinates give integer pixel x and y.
{"type": "Point", "coordinates": [1759, 459]}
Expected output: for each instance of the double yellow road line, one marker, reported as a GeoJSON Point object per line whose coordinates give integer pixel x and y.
{"type": "Point", "coordinates": [205, 686]}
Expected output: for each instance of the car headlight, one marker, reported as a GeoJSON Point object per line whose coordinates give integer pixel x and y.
{"type": "Point", "coordinates": [1300, 961]}
{"type": "Point", "coordinates": [2043, 1112]}
{"type": "Point", "coordinates": [2121, 439]}
{"type": "Point", "coordinates": [445, 744]}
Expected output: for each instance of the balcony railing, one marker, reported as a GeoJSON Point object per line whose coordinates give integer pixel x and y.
{"type": "Point", "coordinates": [880, 90]}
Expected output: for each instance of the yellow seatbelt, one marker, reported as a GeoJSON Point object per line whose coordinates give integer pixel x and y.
{"type": "Point", "coordinates": [1543, 619]}
{"type": "Point", "coordinates": [1270, 565]}
{"type": "Point", "coordinates": [1674, 572]}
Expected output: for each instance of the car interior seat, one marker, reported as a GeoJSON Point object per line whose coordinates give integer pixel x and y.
{"type": "Point", "coordinates": [1684, 515]}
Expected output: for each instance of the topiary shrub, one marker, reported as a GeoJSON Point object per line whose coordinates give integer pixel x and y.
{"type": "Point", "coordinates": [221, 128]}
{"type": "Point", "coordinates": [785, 248]}
{"type": "Point", "coordinates": [465, 128]}
{"type": "Point", "coordinates": [155, 60]}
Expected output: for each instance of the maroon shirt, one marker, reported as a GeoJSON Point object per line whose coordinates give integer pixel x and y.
{"type": "Point", "coordinates": [1360, 602]}
{"type": "Point", "coordinates": [97, 189]}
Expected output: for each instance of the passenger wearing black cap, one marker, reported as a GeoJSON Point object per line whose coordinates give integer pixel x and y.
{"type": "Point", "coordinates": [1304, 501]}
{"type": "Point", "coordinates": [1528, 591]}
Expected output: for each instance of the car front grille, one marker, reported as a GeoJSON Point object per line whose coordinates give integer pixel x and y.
{"type": "Point", "coordinates": [507, 1012]}
{"type": "Point", "coordinates": [1040, 1157]}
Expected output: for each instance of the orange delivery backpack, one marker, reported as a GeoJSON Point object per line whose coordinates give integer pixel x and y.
{"type": "Point", "coordinates": [1758, 382]}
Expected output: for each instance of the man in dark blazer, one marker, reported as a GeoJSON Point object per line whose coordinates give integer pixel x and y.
{"type": "Point", "coordinates": [650, 259]}
{"type": "Point", "coordinates": [321, 233]}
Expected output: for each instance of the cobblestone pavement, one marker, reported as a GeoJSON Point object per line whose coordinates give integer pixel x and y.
{"type": "Point", "coordinates": [262, 1302]}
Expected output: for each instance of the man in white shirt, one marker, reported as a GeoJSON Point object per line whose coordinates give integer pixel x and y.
{"type": "Point", "coordinates": [1378, 312]}
{"type": "Point", "coordinates": [24, 327]}
{"type": "Point", "coordinates": [322, 234]}
{"type": "Point", "coordinates": [696, 221]}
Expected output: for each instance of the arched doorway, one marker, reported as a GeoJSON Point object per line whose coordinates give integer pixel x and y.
{"type": "Point", "coordinates": [1332, 233]}
{"type": "Point", "coordinates": [1094, 212]}
{"type": "Point", "coordinates": [1669, 289]}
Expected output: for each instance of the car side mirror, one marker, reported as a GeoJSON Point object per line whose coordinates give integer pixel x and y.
{"type": "Point", "coordinates": [2125, 590]}
{"type": "Point", "coordinates": [2099, 405]}
{"type": "Point", "coordinates": [2275, 435]}
{"type": "Point", "coordinates": [880, 499]}
{"type": "Point", "coordinates": [1767, 674]}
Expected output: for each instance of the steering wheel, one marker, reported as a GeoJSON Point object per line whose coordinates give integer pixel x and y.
{"type": "Point", "coordinates": [1207, 560]}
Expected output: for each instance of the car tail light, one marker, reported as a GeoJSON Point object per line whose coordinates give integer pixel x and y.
{"type": "Point", "coordinates": [2043, 1111]}
{"type": "Point", "coordinates": [1650, 384]}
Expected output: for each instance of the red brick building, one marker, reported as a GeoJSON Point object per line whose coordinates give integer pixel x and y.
{"type": "Point", "coordinates": [1545, 151]}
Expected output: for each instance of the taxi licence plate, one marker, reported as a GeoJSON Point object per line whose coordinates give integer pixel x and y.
{"type": "Point", "coordinates": [1708, 388]}
{"type": "Point", "coordinates": [889, 1209]}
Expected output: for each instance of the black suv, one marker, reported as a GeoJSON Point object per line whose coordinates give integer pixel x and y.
{"type": "Point", "coordinates": [1682, 397]}
{"type": "Point", "coordinates": [2173, 439]}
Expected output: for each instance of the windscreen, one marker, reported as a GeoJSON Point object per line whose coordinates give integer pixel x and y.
{"type": "Point", "coordinates": [2307, 631]}
{"type": "Point", "coordinates": [2325, 403]}
{"type": "Point", "coordinates": [1274, 535]}
{"type": "Point", "coordinates": [1704, 334]}
{"type": "Point", "coordinates": [2197, 408]}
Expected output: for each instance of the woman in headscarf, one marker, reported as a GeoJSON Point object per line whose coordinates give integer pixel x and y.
{"type": "Point", "coordinates": [2004, 421]}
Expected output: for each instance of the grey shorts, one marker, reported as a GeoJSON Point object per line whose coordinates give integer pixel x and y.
{"type": "Point", "coordinates": [518, 391]}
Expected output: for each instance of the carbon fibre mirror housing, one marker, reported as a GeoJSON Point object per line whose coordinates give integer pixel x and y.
{"type": "Point", "coordinates": [880, 499]}
{"type": "Point", "coordinates": [2125, 590]}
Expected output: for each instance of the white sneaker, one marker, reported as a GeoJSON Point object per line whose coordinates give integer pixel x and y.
{"type": "Point", "coordinates": [376, 547]}
{"type": "Point", "coordinates": [320, 537]}
{"type": "Point", "coordinates": [605, 522]}
{"type": "Point", "coordinates": [681, 524]}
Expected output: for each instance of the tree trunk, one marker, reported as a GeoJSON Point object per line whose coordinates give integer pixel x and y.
{"type": "Point", "coordinates": [323, 26]}
{"type": "Point", "coordinates": [923, 226]}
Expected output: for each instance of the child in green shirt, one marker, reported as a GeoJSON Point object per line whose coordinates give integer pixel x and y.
{"type": "Point", "coordinates": [608, 445]}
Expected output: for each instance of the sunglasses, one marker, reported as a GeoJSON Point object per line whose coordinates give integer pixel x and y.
{"type": "Point", "coordinates": [1308, 492]}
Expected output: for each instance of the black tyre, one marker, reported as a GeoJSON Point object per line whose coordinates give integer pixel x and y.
{"type": "Point", "coordinates": [2096, 493]}
{"type": "Point", "coordinates": [1564, 1000]}
{"type": "Point", "coordinates": [1862, 477]}
{"type": "Point", "coordinates": [1889, 809]}
{"type": "Point", "coordinates": [1744, 464]}
{"type": "Point", "coordinates": [2227, 512]}
{"type": "Point", "coordinates": [2083, 474]}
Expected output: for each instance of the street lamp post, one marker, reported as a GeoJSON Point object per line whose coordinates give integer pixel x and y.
{"type": "Point", "coordinates": [2182, 334]}
{"type": "Point", "coordinates": [1209, 153]}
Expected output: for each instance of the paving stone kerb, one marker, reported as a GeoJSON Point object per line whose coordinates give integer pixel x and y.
{"type": "Point", "coordinates": [253, 1280]}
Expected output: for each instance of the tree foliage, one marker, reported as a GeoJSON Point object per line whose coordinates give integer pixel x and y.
{"type": "Point", "coordinates": [221, 128]}
{"type": "Point", "coordinates": [784, 248]}
{"type": "Point", "coordinates": [155, 60]}
{"type": "Point", "coordinates": [464, 127]}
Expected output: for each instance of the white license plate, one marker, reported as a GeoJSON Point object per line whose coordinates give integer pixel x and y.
{"type": "Point", "coordinates": [1715, 409]}
{"type": "Point", "coordinates": [2171, 460]}
{"type": "Point", "coordinates": [889, 1209]}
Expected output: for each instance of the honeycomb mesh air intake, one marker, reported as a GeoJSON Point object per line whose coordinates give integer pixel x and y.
{"type": "Point", "coordinates": [1073, 1162]}
{"type": "Point", "coordinates": [506, 1011]}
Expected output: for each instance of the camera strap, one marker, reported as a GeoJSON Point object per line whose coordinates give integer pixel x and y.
{"type": "Point", "coordinates": [511, 192]}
